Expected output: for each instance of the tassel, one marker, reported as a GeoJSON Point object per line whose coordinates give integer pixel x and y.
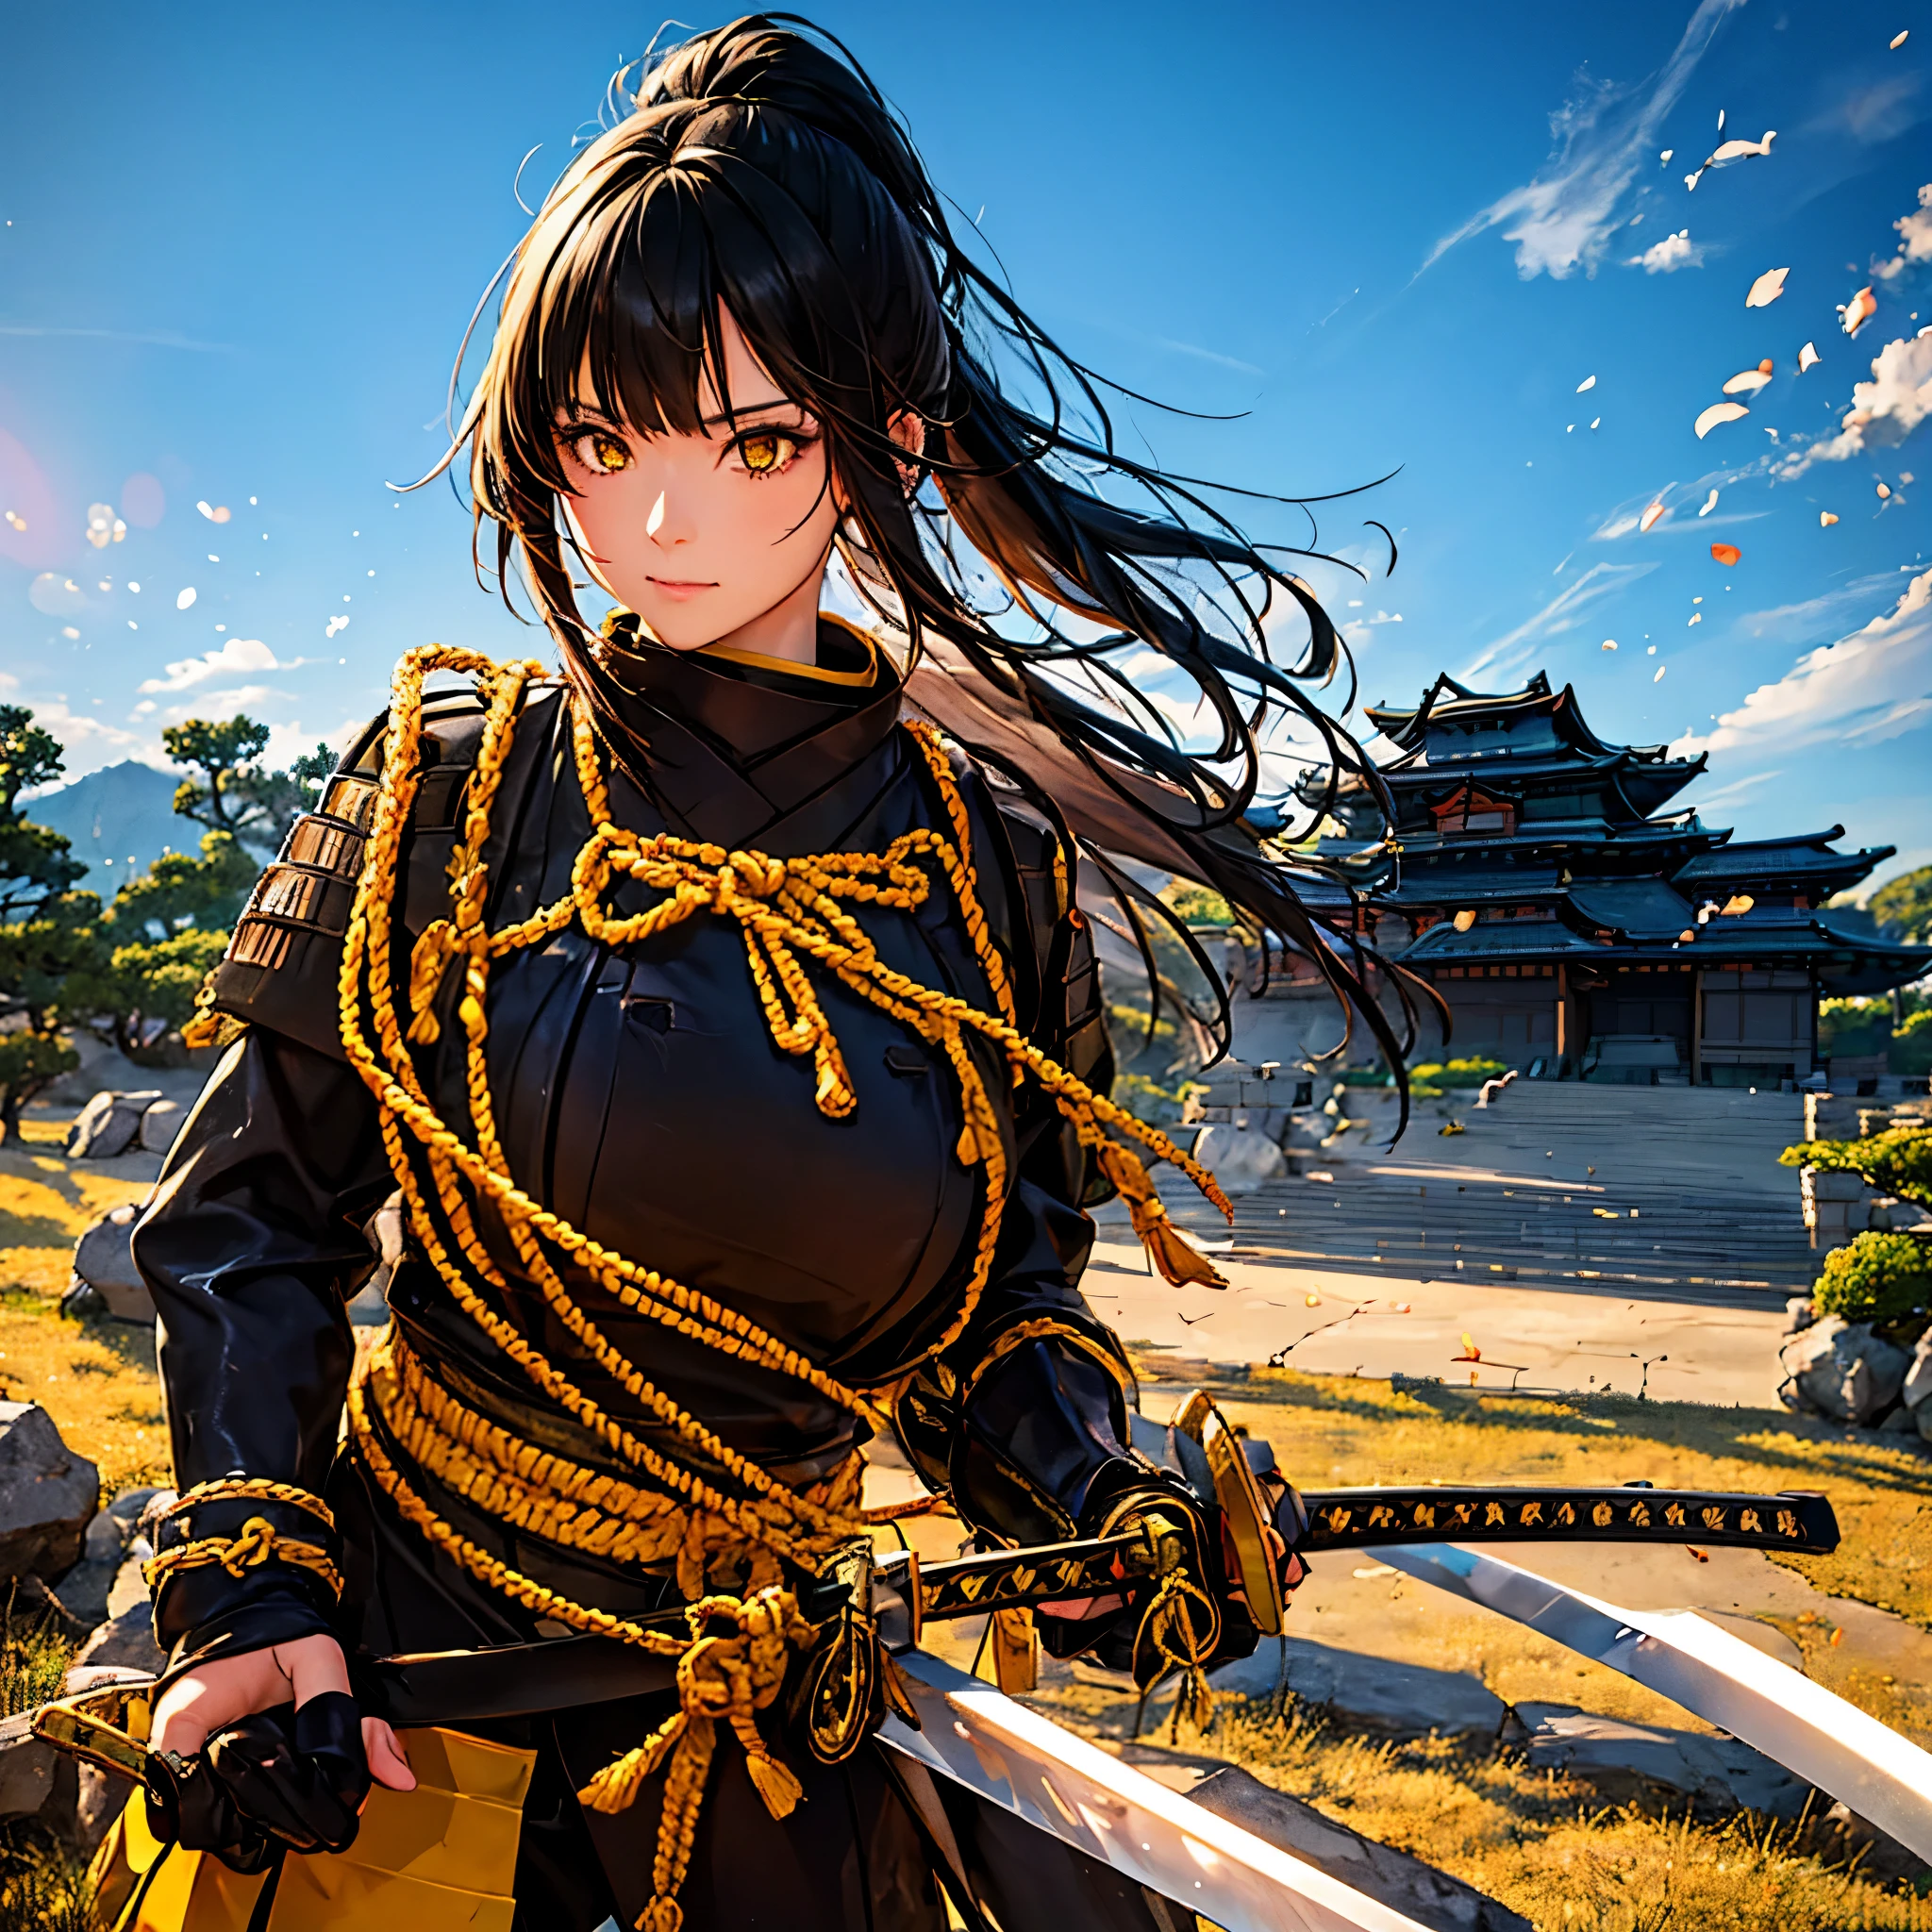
{"type": "Point", "coordinates": [617, 1785]}
{"type": "Point", "coordinates": [662, 1915]}
{"type": "Point", "coordinates": [1177, 1259]}
{"type": "Point", "coordinates": [774, 1782]}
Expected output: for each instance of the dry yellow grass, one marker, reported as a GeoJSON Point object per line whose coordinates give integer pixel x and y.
{"type": "Point", "coordinates": [97, 1379]}
{"type": "Point", "coordinates": [1540, 1843]}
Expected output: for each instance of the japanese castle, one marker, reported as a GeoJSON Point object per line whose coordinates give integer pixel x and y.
{"type": "Point", "coordinates": [1574, 924]}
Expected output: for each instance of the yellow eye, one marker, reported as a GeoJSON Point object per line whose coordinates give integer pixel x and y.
{"type": "Point", "coordinates": [607, 453]}
{"type": "Point", "coordinates": [767, 452]}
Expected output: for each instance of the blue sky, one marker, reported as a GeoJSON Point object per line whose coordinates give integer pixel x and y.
{"type": "Point", "coordinates": [243, 243]}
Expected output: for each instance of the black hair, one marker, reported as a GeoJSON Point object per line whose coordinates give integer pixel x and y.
{"type": "Point", "coordinates": [760, 173]}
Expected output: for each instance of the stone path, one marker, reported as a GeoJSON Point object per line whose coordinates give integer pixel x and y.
{"type": "Point", "coordinates": [1497, 1233]}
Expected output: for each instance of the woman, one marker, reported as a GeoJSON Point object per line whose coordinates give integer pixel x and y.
{"type": "Point", "coordinates": [733, 1044]}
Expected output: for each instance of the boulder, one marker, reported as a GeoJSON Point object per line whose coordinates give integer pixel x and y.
{"type": "Point", "coordinates": [103, 1261]}
{"type": "Point", "coordinates": [84, 1591]}
{"type": "Point", "coordinates": [108, 1125]}
{"type": "Point", "coordinates": [1800, 1312]}
{"type": "Point", "coordinates": [1653, 1766]}
{"type": "Point", "coordinates": [1843, 1370]}
{"type": "Point", "coordinates": [27, 1768]}
{"type": "Point", "coordinates": [1241, 1158]}
{"type": "Point", "coordinates": [162, 1125]}
{"type": "Point", "coordinates": [1918, 1382]}
{"type": "Point", "coordinates": [1367, 1694]}
{"type": "Point", "coordinates": [126, 1642]}
{"type": "Point", "coordinates": [48, 1494]}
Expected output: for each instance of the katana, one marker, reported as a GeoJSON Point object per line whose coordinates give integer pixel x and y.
{"type": "Point", "coordinates": [1800, 1725]}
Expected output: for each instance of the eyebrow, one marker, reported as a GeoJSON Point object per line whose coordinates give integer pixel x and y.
{"type": "Point", "coordinates": [578, 417]}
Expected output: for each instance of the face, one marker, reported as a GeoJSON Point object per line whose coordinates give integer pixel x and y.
{"type": "Point", "coordinates": [703, 534]}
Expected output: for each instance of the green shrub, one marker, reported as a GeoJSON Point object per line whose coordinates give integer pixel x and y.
{"type": "Point", "coordinates": [1469, 1073]}
{"type": "Point", "coordinates": [1898, 1161]}
{"type": "Point", "coordinates": [1368, 1076]}
{"type": "Point", "coordinates": [1880, 1277]}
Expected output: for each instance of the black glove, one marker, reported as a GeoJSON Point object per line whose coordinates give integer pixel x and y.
{"type": "Point", "coordinates": [280, 1780]}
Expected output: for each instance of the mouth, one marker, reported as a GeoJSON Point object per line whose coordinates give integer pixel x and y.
{"type": "Point", "coordinates": [679, 587]}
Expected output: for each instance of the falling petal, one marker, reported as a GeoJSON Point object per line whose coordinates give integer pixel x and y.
{"type": "Point", "coordinates": [1402, 1308]}
{"type": "Point", "coordinates": [1709, 504]}
{"type": "Point", "coordinates": [1588, 382]}
{"type": "Point", "coordinates": [1884, 490]}
{"type": "Point", "coordinates": [1720, 120]}
{"type": "Point", "coordinates": [1767, 287]}
{"type": "Point", "coordinates": [1691, 181]}
{"type": "Point", "coordinates": [1664, 158]}
{"type": "Point", "coordinates": [184, 599]}
{"type": "Point", "coordinates": [1652, 514]}
{"type": "Point", "coordinates": [1825, 519]}
{"type": "Point", "coordinates": [1808, 357]}
{"type": "Point", "coordinates": [1858, 311]}
{"type": "Point", "coordinates": [1313, 1301]}
{"type": "Point", "coordinates": [1610, 643]}
{"type": "Point", "coordinates": [1898, 41]}
{"type": "Point", "coordinates": [1740, 151]}
{"type": "Point", "coordinates": [1595, 421]}
{"type": "Point", "coordinates": [1463, 921]}
{"type": "Point", "coordinates": [1660, 677]}
{"type": "Point", "coordinates": [1727, 553]}
{"type": "Point", "coordinates": [16, 520]}
{"type": "Point", "coordinates": [1718, 412]}
{"type": "Point", "coordinates": [1698, 619]}
{"type": "Point", "coordinates": [1746, 382]}
{"type": "Point", "coordinates": [1737, 903]}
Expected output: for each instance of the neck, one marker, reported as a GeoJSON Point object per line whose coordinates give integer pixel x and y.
{"type": "Point", "coordinates": [788, 631]}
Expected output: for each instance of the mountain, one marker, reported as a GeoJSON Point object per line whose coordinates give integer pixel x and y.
{"type": "Point", "coordinates": [119, 821]}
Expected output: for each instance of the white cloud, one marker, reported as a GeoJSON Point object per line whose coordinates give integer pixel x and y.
{"type": "Point", "coordinates": [1916, 229]}
{"type": "Point", "coordinates": [236, 657]}
{"type": "Point", "coordinates": [1884, 412]}
{"type": "Point", "coordinates": [1564, 611]}
{"type": "Point", "coordinates": [1866, 688]}
{"type": "Point", "coordinates": [1672, 253]}
{"type": "Point", "coordinates": [1562, 219]}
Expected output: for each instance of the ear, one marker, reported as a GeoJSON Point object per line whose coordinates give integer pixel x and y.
{"type": "Point", "coordinates": [908, 430]}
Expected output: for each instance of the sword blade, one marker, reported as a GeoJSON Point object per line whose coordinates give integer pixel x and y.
{"type": "Point", "coordinates": [1830, 1743]}
{"type": "Point", "coordinates": [1074, 1791]}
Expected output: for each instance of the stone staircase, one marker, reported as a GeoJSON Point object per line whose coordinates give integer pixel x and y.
{"type": "Point", "coordinates": [1687, 1200]}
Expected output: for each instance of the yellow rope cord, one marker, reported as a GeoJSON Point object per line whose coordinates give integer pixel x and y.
{"type": "Point", "coordinates": [790, 912]}
{"type": "Point", "coordinates": [260, 1543]}
{"type": "Point", "coordinates": [252, 1488]}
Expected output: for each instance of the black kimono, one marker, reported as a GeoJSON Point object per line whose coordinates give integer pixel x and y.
{"type": "Point", "coordinates": [640, 1095]}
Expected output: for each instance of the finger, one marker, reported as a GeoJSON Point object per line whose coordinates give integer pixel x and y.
{"type": "Point", "coordinates": [192, 1709]}
{"type": "Point", "coordinates": [315, 1667]}
{"type": "Point", "coordinates": [387, 1764]}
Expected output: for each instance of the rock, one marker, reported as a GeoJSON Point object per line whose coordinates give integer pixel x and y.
{"type": "Point", "coordinates": [1653, 1766]}
{"type": "Point", "coordinates": [1842, 1370]}
{"type": "Point", "coordinates": [84, 1592]}
{"type": "Point", "coordinates": [48, 1494]}
{"type": "Point", "coordinates": [108, 1125]}
{"type": "Point", "coordinates": [1395, 1878]}
{"type": "Point", "coordinates": [1240, 1157]}
{"type": "Point", "coordinates": [1369, 1694]}
{"type": "Point", "coordinates": [126, 1642]}
{"type": "Point", "coordinates": [103, 1261]}
{"type": "Point", "coordinates": [1800, 1312]}
{"type": "Point", "coordinates": [162, 1125]}
{"type": "Point", "coordinates": [1918, 1382]}
{"type": "Point", "coordinates": [27, 1768]}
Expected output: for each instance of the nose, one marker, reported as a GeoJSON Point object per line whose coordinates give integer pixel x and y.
{"type": "Point", "coordinates": [666, 526]}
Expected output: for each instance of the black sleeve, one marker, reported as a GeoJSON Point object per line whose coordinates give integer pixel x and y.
{"type": "Point", "coordinates": [1023, 1419]}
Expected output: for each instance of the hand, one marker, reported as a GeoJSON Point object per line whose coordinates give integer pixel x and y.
{"type": "Point", "coordinates": [214, 1696]}
{"type": "Point", "coordinates": [228, 1773]}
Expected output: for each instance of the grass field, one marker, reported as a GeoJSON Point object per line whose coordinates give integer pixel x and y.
{"type": "Point", "coordinates": [1537, 1842]}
